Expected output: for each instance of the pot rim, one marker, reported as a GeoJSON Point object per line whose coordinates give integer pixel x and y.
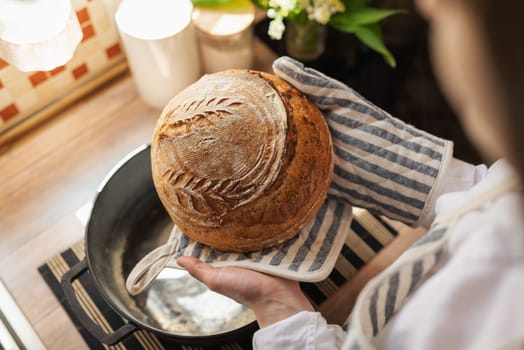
{"type": "Point", "coordinates": [218, 337]}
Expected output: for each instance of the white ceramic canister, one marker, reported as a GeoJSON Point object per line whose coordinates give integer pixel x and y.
{"type": "Point", "coordinates": [161, 47]}
{"type": "Point", "coordinates": [225, 35]}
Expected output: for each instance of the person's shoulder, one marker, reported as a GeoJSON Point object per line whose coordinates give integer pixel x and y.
{"type": "Point", "coordinates": [495, 233]}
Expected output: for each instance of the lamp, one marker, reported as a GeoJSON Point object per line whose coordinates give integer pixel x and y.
{"type": "Point", "coordinates": [38, 35]}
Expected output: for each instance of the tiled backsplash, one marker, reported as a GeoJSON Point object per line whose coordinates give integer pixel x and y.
{"type": "Point", "coordinates": [24, 94]}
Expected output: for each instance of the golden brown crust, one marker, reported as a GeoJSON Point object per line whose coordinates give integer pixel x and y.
{"type": "Point", "coordinates": [271, 171]}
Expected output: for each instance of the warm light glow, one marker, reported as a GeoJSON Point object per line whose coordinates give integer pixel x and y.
{"type": "Point", "coordinates": [153, 19]}
{"type": "Point", "coordinates": [28, 22]}
{"type": "Point", "coordinates": [224, 22]}
{"type": "Point", "coordinates": [38, 34]}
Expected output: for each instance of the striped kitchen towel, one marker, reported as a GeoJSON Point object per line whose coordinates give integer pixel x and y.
{"type": "Point", "coordinates": [366, 236]}
{"type": "Point", "coordinates": [339, 241]}
{"type": "Point", "coordinates": [105, 316]}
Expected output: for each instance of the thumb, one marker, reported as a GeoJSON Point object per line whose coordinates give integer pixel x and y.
{"type": "Point", "coordinates": [200, 270]}
{"type": "Point", "coordinates": [229, 281]}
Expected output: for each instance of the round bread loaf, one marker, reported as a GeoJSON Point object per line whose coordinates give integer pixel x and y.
{"type": "Point", "coordinates": [241, 160]}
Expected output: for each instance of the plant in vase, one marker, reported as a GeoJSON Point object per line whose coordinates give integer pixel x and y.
{"type": "Point", "coordinates": [304, 23]}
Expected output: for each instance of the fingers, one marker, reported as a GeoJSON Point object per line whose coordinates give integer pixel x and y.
{"type": "Point", "coordinates": [197, 268]}
{"type": "Point", "coordinates": [226, 281]}
{"type": "Point", "coordinates": [238, 284]}
{"type": "Point", "coordinates": [271, 298]}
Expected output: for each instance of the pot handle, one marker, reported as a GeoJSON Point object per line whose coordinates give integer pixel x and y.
{"type": "Point", "coordinates": [67, 286]}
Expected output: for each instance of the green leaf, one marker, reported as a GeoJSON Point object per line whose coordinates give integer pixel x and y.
{"type": "Point", "coordinates": [354, 5]}
{"type": "Point", "coordinates": [341, 23]}
{"type": "Point", "coordinates": [358, 17]}
{"type": "Point", "coordinates": [366, 15]}
{"type": "Point", "coordinates": [372, 36]}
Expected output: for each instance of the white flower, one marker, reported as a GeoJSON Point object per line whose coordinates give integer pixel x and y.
{"type": "Point", "coordinates": [322, 10]}
{"type": "Point", "coordinates": [276, 28]}
{"type": "Point", "coordinates": [316, 10]}
{"type": "Point", "coordinates": [303, 4]}
{"type": "Point", "coordinates": [337, 6]}
{"type": "Point", "coordinates": [283, 6]}
{"type": "Point", "coordinates": [321, 15]}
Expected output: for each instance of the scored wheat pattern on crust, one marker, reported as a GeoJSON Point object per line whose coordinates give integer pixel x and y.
{"type": "Point", "coordinates": [195, 193]}
{"type": "Point", "coordinates": [199, 114]}
{"type": "Point", "coordinates": [188, 189]}
{"type": "Point", "coordinates": [220, 146]}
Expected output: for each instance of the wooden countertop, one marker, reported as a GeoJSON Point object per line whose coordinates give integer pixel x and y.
{"type": "Point", "coordinates": [51, 172]}
{"type": "Point", "coordinates": [46, 177]}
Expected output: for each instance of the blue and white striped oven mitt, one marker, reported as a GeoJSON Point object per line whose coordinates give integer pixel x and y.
{"type": "Point", "coordinates": [381, 164]}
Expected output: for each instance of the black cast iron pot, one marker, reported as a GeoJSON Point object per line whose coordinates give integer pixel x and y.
{"type": "Point", "coordinates": [128, 221]}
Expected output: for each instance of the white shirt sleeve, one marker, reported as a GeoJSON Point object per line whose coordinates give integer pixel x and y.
{"type": "Point", "coordinates": [472, 311]}
{"type": "Point", "coordinates": [475, 300]}
{"type": "Point", "coordinates": [303, 331]}
{"type": "Point", "coordinates": [458, 176]}
{"type": "Point", "coordinates": [309, 330]}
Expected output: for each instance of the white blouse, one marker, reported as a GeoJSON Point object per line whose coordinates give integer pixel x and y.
{"type": "Point", "coordinates": [475, 301]}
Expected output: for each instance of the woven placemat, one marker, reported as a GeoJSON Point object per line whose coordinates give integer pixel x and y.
{"type": "Point", "coordinates": [96, 307]}
{"type": "Point", "coordinates": [368, 234]}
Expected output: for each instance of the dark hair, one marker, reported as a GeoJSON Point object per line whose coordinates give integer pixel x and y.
{"type": "Point", "coordinates": [502, 25]}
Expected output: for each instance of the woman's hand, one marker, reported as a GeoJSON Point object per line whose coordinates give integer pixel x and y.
{"type": "Point", "coordinates": [272, 299]}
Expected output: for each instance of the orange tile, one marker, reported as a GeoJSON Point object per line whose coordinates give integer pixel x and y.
{"type": "Point", "coordinates": [3, 63]}
{"type": "Point", "coordinates": [113, 50]}
{"type": "Point", "coordinates": [57, 70]}
{"type": "Point", "coordinates": [82, 15]}
{"type": "Point", "coordinates": [88, 32]}
{"type": "Point", "coordinates": [80, 71]}
{"type": "Point", "coordinates": [8, 112]}
{"type": "Point", "coordinates": [38, 78]}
